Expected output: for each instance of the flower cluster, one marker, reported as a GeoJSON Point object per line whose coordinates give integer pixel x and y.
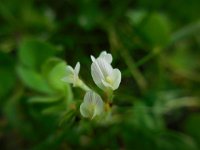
{"type": "Point", "coordinates": [105, 77]}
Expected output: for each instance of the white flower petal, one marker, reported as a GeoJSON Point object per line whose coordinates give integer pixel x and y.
{"type": "Point", "coordinates": [72, 74]}
{"type": "Point", "coordinates": [102, 53]}
{"type": "Point", "coordinates": [97, 74]}
{"type": "Point", "coordinates": [84, 111]}
{"type": "Point", "coordinates": [93, 58]}
{"type": "Point", "coordinates": [99, 108]}
{"type": "Point", "coordinates": [116, 76]}
{"type": "Point", "coordinates": [69, 70]}
{"type": "Point", "coordinates": [92, 105]}
{"type": "Point", "coordinates": [106, 56]}
{"type": "Point", "coordinates": [100, 69]}
{"type": "Point", "coordinates": [88, 98]}
{"type": "Point", "coordinates": [91, 98]}
{"type": "Point", "coordinates": [104, 66]}
{"type": "Point", "coordinates": [77, 68]}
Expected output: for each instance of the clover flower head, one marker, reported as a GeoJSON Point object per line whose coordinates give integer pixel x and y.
{"type": "Point", "coordinates": [72, 75]}
{"type": "Point", "coordinates": [103, 74]}
{"type": "Point", "coordinates": [92, 105]}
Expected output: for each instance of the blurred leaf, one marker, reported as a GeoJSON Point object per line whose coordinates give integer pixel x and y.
{"type": "Point", "coordinates": [186, 32]}
{"type": "Point", "coordinates": [175, 141]}
{"type": "Point", "coordinates": [7, 74]}
{"type": "Point", "coordinates": [156, 29]}
{"type": "Point", "coordinates": [136, 16]}
{"type": "Point", "coordinates": [168, 101]}
{"type": "Point", "coordinates": [49, 64]}
{"type": "Point", "coordinates": [33, 80]}
{"type": "Point", "coordinates": [7, 45]}
{"type": "Point", "coordinates": [10, 107]}
{"type": "Point", "coordinates": [24, 16]}
{"type": "Point", "coordinates": [52, 141]}
{"type": "Point", "coordinates": [145, 119]}
{"type": "Point", "coordinates": [55, 76]}
{"type": "Point", "coordinates": [54, 109]}
{"type": "Point", "coordinates": [7, 81]}
{"type": "Point", "coordinates": [89, 14]}
{"type": "Point", "coordinates": [183, 59]}
{"type": "Point", "coordinates": [191, 127]}
{"type": "Point", "coordinates": [67, 117]}
{"type": "Point", "coordinates": [54, 69]}
{"type": "Point", "coordinates": [33, 18]}
{"type": "Point", "coordinates": [33, 53]}
{"type": "Point", "coordinates": [184, 62]}
{"type": "Point", "coordinates": [44, 99]}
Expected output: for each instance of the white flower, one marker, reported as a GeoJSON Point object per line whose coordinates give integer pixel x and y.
{"type": "Point", "coordinates": [103, 74]}
{"type": "Point", "coordinates": [92, 105]}
{"type": "Point", "coordinates": [72, 75]}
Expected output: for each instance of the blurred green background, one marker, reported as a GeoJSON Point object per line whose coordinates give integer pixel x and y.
{"type": "Point", "coordinates": [155, 44]}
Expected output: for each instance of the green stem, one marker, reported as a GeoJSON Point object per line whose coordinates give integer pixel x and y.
{"type": "Point", "coordinates": [83, 86]}
{"type": "Point", "coordinates": [109, 96]}
{"type": "Point", "coordinates": [155, 51]}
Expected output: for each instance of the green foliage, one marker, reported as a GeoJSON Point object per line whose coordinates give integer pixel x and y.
{"type": "Point", "coordinates": [55, 76]}
{"type": "Point", "coordinates": [7, 75]}
{"type": "Point", "coordinates": [156, 29]}
{"type": "Point", "coordinates": [33, 79]}
{"type": "Point", "coordinates": [155, 44]}
{"type": "Point", "coordinates": [33, 53]}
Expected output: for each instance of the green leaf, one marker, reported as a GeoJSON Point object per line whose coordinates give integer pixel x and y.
{"type": "Point", "coordinates": [167, 101]}
{"type": "Point", "coordinates": [156, 29]}
{"type": "Point", "coordinates": [183, 60]}
{"type": "Point", "coordinates": [54, 109]}
{"type": "Point", "coordinates": [45, 99]}
{"type": "Point", "coordinates": [191, 126]}
{"type": "Point", "coordinates": [145, 118]}
{"type": "Point", "coordinates": [32, 18]}
{"type": "Point", "coordinates": [7, 74]}
{"type": "Point", "coordinates": [175, 141]}
{"type": "Point", "coordinates": [67, 117]}
{"type": "Point", "coordinates": [7, 81]}
{"type": "Point", "coordinates": [49, 64]}
{"type": "Point", "coordinates": [56, 74]}
{"type": "Point", "coordinates": [54, 69]}
{"type": "Point", "coordinates": [33, 53]}
{"type": "Point", "coordinates": [136, 16]}
{"type": "Point", "coordinates": [33, 80]}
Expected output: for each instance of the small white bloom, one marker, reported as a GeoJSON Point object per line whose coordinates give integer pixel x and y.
{"type": "Point", "coordinates": [103, 74]}
{"type": "Point", "coordinates": [72, 75]}
{"type": "Point", "coordinates": [92, 105]}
